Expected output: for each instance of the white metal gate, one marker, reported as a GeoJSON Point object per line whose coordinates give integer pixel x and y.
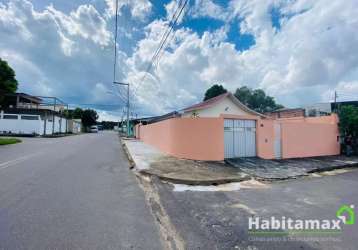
{"type": "Point", "coordinates": [239, 138]}
{"type": "Point", "coordinates": [277, 142]}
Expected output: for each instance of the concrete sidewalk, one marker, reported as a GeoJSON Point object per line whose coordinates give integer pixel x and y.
{"type": "Point", "coordinates": [151, 161]}
{"type": "Point", "coordinates": [281, 169]}
{"type": "Point", "coordinates": [148, 160]}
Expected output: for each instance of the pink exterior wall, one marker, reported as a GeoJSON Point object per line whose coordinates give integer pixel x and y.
{"type": "Point", "coordinates": [203, 138]}
{"type": "Point", "coordinates": [265, 138]}
{"type": "Point", "coordinates": [305, 139]}
{"type": "Point", "coordinates": [190, 138]}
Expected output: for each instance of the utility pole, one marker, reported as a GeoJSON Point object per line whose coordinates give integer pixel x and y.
{"type": "Point", "coordinates": [126, 84]}
{"type": "Point", "coordinates": [335, 101]}
{"type": "Point", "coordinates": [335, 97]}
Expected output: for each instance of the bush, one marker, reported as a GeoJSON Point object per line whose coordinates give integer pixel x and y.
{"type": "Point", "coordinates": [6, 141]}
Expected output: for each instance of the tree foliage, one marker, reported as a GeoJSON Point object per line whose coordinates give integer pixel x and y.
{"type": "Point", "coordinates": [89, 117]}
{"type": "Point", "coordinates": [8, 82]}
{"type": "Point", "coordinates": [77, 113]}
{"type": "Point", "coordinates": [256, 99]}
{"type": "Point", "coordinates": [213, 91]}
{"type": "Point", "coordinates": [108, 124]}
{"type": "Point", "coordinates": [74, 113]}
{"type": "Point", "coordinates": [348, 121]}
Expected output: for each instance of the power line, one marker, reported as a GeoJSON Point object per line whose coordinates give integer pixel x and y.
{"type": "Point", "coordinates": [349, 95]}
{"type": "Point", "coordinates": [161, 53]}
{"type": "Point", "coordinates": [96, 104]}
{"type": "Point", "coordinates": [115, 44]}
{"type": "Point", "coordinates": [162, 44]}
{"type": "Point", "coordinates": [166, 34]}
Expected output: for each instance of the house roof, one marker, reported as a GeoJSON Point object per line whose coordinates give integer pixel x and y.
{"type": "Point", "coordinates": [212, 101]}
{"type": "Point", "coordinates": [27, 97]}
{"type": "Point", "coordinates": [153, 119]}
{"type": "Point", "coordinates": [286, 109]}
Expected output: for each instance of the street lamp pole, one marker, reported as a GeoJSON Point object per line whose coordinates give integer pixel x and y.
{"type": "Point", "coordinates": [126, 84]}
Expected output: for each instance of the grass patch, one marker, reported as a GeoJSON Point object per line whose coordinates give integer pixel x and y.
{"type": "Point", "coordinates": [6, 141]}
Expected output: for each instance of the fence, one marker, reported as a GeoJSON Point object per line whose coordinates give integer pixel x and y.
{"type": "Point", "coordinates": [190, 138]}
{"type": "Point", "coordinates": [203, 138]}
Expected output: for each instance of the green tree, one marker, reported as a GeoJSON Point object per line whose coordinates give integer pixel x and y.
{"type": "Point", "coordinates": [77, 113]}
{"type": "Point", "coordinates": [89, 117]}
{"type": "Point", "coordinates": [8, 82]}
{"type": "Point", "coordinates": [257, 99]}
{"type": "Point", "coordinates": [348, 121]}
{"type": "Point", "coordinates": [73, 113]}
{"type": "Point", "coordinates": [213, 91]}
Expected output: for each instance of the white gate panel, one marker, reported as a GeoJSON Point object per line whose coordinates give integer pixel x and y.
{"type": "Point", "coordinates": [277, 142]}
{"type": "Point", "coordinates": [228, 139]}
{"type": "Point", "coordinates": [250, 138]}
{"type": "Point", "coordinates": [239, 138]}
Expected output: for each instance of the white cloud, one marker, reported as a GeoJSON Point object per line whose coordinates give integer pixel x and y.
{"type": "Point", "coordinates": [70, 54]}
{"type": "Point", "coordinates": [346, 91]}
{"type": "Point", "coordinates": [53, 53]}
{"type": "Point", "coordinates": [85, 22]}
{"type": "Point", "coordinates": [140, 9]}
{"type": "Point", "coordinates": [108, 116]}
{"type": "Point", "coordinates": [207, 8]}
{"type": "Point", "coordinates": [314, 50]}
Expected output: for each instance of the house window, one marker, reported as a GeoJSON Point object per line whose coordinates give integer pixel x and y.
{"type": "Point", "coordinates": [29, 117]}
{"type": "Point", "coordinates": [10, 117]}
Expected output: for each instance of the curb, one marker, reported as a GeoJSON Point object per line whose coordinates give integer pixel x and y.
{"type": "Point", "coordinates": [354, 165]}
{"type": "Point", "coordinates": [180, 181]}
{"type": "Point", "coordinates": [126, 151]}
{"type": "Point", "coordinates": [196, 182]}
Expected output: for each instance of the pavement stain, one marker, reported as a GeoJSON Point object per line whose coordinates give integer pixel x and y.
{"type": "Point", "coordinates": [169, 236]}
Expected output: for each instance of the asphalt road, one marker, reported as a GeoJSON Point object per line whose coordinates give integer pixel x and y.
{"type": "Point", "coordinates": [72, 193]}
{"type": "Point", "coordinates": [219, 220]}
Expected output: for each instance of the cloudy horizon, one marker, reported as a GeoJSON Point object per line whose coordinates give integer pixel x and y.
{"type": "Point", "coordinates": [299, 51]}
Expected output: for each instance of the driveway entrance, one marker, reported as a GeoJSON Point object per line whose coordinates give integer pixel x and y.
{"type": "Point", "coordinates": [239, 138]}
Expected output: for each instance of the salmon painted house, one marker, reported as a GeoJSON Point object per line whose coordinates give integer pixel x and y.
{"type": "Point", "coordinates": [223, 127]}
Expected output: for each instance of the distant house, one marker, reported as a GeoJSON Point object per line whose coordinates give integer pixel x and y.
{"type": "Point", "coordinates": [26, 114]}
{"type": "Point", "coordinates": [326, 108]}
{"type": "Point", "coordinates": [286, 113]}
{"type": "Point", "coordinates": [223, 127]}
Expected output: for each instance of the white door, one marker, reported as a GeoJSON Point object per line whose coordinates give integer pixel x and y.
{"type": "Point", "coordinates": [239, 138]}
{"type": "Point", "coordinates": [250, 138]}
{"type": "Point", "coordinates": [277, 142]}
{"type": "Point", "coordinates": [229, 138]}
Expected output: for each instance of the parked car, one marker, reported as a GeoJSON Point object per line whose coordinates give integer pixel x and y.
{"type": "Point", "coordinates": [94, 129]}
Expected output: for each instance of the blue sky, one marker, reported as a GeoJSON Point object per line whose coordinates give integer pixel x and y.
{"type": "Point", "coordinates": [298, 51]}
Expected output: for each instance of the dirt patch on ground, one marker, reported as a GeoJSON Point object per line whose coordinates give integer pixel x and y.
{"type": "Point", "coordinates": [194, 172]}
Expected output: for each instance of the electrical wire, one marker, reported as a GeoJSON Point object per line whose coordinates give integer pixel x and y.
{"type": "Point", "coordinates": [115, 44]}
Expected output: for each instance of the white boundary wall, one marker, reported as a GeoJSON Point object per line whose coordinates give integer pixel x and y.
{"type": "Point", "coordinates": [18, 124]}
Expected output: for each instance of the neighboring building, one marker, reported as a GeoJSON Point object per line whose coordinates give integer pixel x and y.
{"type": "Point", "coordinates": [326, 108]}
{"type": "Point", "coordinates": [286, 113]}
{"type": "Point", "coordinates": [318, 109]}
{"type": "Point", "coordinates": [26, 114]}
{"type": "Point", "coordinates": [223, 127]}
{"type": "Point", "coordinates": [74, 126]}
{"type": "Point", "coordinates": [336, 105]}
